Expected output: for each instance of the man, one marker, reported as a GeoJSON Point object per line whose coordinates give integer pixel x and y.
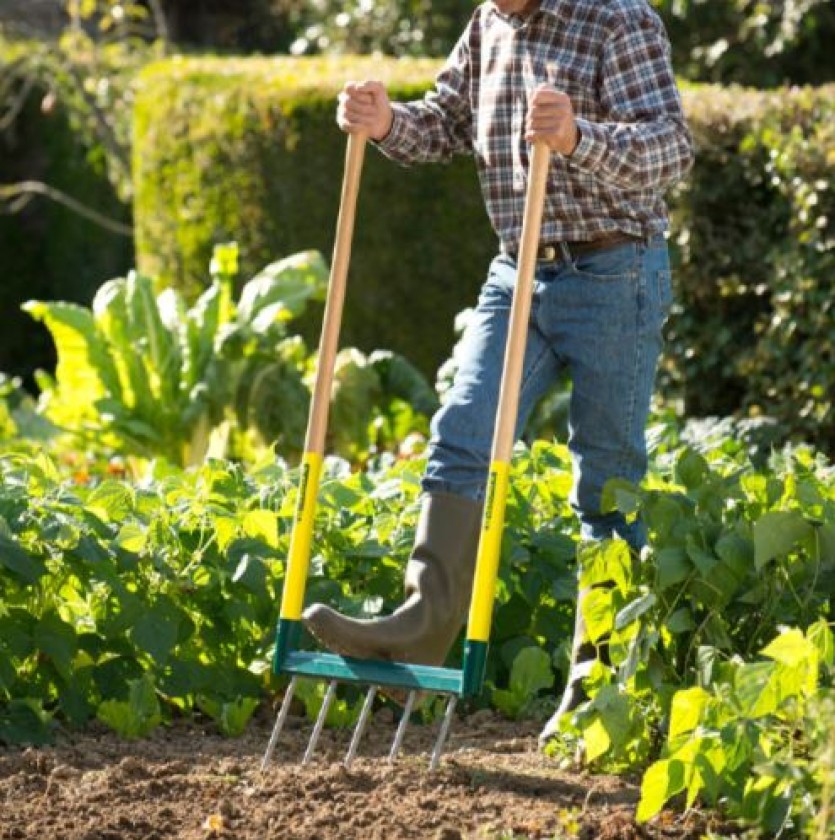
{"type": "Point", "coordinates": [592, 79]}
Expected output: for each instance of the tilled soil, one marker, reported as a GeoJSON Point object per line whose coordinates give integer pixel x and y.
{"type": "Point", "coordinates": [189, 783]}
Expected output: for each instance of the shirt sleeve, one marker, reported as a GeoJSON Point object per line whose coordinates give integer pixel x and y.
{"type": "Point", "coordinates": [440, 125]}
{"type": "Point", "coordinates": [647, 143]}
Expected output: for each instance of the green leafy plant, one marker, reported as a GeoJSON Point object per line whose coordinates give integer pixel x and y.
{"type": "Point", "coordinates": [137, 716]}
{"type": "Point", "coordinates": [530, 673]}
{"type": "Point", "coordinates": [740, 740]}
{"type": "Point", "coordinates": [157, 377]}
{"type": "Point", "coordinates": [154, 378]}
{"type": "Point", "coordinates": [717, 635]}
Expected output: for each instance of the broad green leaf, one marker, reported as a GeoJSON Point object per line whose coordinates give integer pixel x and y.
{"type": "Point", "coordinates": [85, 372]}
{"type": "Point", "coordinates": [756, 689]}
{"type": "Point", "coordinates": [613, 708]}
{"type": "Point", "coordinates": [163, 361]}
{"type": "Point", "coordinates": [57, 639]}
{"type": "Point", "coordinates": [341, 714]}
{"type": "Point", "coordinates": [132, 537]}
{"type": "Point", "coordinates": [596, 740]}
{"type": "Point", "coordinates": [799, 658]}
{"type": "Point", "coordinates": [736, 552]}
{"type": "Point", "coordinates": [635, 609]}
{"type": "Point", "coordinates": [776, 534]}
{"type": "Point", "coordinates": [620, 495]}
{"type": "Point", "coordinates": [763, 804]}
{"type": "Point", "coordinates": [283, 289]}
{"type": "Point", "coordinates": [598, 613]}
{"type": "Point", "coordinates": [138, 716]}
{"type": "Point", "coordinates": [251, 573]}
{"type": "Point", "coordinates": [703, 559]}
{"type": "Point", "coordinates": [790, 648]}
{"type": "Point", "coordinates": [820, 635]}
{"type": "Point", "coordinates": [687, 709]}
{"type": "Point", "coordinates": [826, 542]}
{"type": "Point", "coordinates": [661, 514]}
{"type": "Point", "coordinates": [113, 318]}
{"type": "Point", "coordinates": [23, 721]}
{"type": "Point", "coordinates": [226, 529]}
{"type": "Point", "coordinates": [156, 632]}
{"type": "Point", "coordinates": [231, 716]}
{"type": "Point", "coordinates": [705, 777]}
{"type": "Point", "coordinates": [400, 378]}
{"type": "Point", "coordinates": [531, 672]}
{"type": "Point", "coordinates": [673, 567]}
{"type": "Point", "coordinates": [691, 469]}
{"type": "Point", "coordinates": [356, 389]}
{"type": "Point", "coordinates": [17, 630]}
{"type": "Point", "coordinates": [681, 621]}
{"type": "Point", "coordinates": [605, 561]}
{"type": "Point", "coordinates": [112, 501]}
{"type": "Point", "coordinates": [20, 562]}
{"type": "Point", "coordinates": [262, 525]}
{"type": "Point", "coordinates": [198, 337]}
{"type": "Point", "coordinates": [661, 782]}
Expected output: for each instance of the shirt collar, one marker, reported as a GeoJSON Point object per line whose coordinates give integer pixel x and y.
{"type": "Point", "coordinates": [551, 7]}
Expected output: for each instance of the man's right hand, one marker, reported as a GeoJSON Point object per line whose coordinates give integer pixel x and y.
{"type": "Point", "coordinates": [364, 108]}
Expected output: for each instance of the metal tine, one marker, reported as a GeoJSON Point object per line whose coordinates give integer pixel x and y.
{"type": "Point", "coordinates": [404, 722]}
{"type": "Point", "coordinates": [442, 735]}
{"type": "Point", "coordinates": [320, 722]}
{"type": "Point", "coordinates": [279, 723]}
{"type": "Point", "coordinates": [360, 727]}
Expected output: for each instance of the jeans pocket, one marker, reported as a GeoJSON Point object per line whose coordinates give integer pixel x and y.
{"type": "Point", "coordinates": [607, 264]}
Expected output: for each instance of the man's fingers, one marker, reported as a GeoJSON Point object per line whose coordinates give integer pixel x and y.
{"type": "Point", "coordinates": [548, 95]}
{"type": "Point", "coordinates": [359, 108]}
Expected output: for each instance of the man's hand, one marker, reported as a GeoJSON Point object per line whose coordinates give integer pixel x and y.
{"type": "Point", "coordinates": [551, 120]}
{"type": "Point", "coordinates": [364, 108]}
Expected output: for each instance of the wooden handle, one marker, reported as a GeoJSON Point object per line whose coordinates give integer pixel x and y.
{"type": "Point", "coordinates": [508, 408]}
{"type": "Point", "coordinates": [318, 418]}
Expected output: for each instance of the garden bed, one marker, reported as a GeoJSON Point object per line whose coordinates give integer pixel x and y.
{"type": "Point", "coordinates": [187, 782]}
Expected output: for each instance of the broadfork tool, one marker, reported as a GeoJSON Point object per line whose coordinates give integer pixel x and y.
{"type": "Point", "coordinates": [449, 682]}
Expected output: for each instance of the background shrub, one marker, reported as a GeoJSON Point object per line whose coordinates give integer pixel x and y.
{"type": "Point", "coordinates": [48, 251]}
{"type": "Point", "coordinates": [754, 230]}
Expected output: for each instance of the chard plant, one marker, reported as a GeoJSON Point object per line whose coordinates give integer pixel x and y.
{"type": "Point", "coordinates": [144, 374]}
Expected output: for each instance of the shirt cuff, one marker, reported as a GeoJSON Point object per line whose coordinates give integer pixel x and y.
{"type": "Point", "coordinates": [397, 133]}
{"type": "Point", "coordinates": [592, 147]}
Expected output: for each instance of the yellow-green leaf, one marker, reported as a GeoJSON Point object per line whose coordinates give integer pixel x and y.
{"type": "Point", "coordinates": [263, 525]}
{"type": "Point", "coordinates": [688, 707]}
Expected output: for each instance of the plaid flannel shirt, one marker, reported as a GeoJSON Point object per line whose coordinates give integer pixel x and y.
{"type": "Point", "coordinates": [612, 57]}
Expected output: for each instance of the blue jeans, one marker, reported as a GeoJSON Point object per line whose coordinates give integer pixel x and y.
{"type": "Point", "coordinates": [599, 316]}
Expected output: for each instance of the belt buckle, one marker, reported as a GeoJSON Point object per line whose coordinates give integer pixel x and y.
{"type": "Point", "coordinates": [547, 253]}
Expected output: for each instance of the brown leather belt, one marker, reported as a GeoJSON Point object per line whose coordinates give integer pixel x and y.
{"type": "Point", "coordinates": [550, 251]}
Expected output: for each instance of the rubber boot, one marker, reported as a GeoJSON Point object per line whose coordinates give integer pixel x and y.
{"type": "Point", "coordinates": [583, 656]}
{"type": "Point", "coordinates": [438, 583]}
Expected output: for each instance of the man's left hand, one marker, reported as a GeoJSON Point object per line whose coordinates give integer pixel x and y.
{"type": "Point", "coordinates": [551, 120]}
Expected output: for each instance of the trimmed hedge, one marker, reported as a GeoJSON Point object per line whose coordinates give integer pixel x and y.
{"type": "Point", "coordinates": [247, 149]}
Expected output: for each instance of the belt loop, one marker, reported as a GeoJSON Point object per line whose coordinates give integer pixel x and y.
{"type": "Point", "coordinates": [566, 254]}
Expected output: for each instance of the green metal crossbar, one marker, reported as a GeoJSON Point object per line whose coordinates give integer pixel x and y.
{"type": "Point", "coordinates": [374, 672]}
